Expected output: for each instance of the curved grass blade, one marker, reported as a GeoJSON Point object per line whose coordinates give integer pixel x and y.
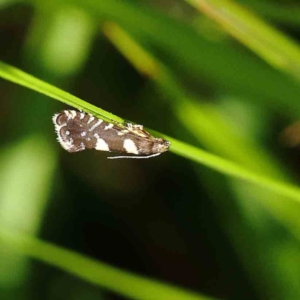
{"type": "Point", "coordinates": [217, 163]}
{"type": "Point", "coordinates": [271, 45]}
{"type": "Point", "coordinates": [22, 78]}
{"type": "Point", "coordinates": [111, 278]}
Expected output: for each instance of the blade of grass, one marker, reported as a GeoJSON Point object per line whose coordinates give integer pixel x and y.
{"type": "Point", "coordinates": [232, 169]}
{"type": "Point", "coordinates": [182, 43]}
{"type": "Point", "coordinates": [111, 278]}
{"type": "Point", "coordinates": [17, 76]}
{"type": "Point", "coordinates": [208, 128]}
{"type": "Point", "coordinates": [283, 13]}
{"type": "Point", "coordinates": [200, 121]}
{"type": "Point", "coordinates": [272, 46]}
{"type": "Point", "coordinates": [148, 65]}
{"type": "Point", "coordinates": [193, 153]}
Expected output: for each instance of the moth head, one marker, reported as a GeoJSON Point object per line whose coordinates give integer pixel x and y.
{"type": "Point", "coordinates": [161, 145]}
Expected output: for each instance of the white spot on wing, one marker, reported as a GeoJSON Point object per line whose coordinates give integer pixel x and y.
{"type": "Point", "coordinates": [67, 114]}
{"type": "Point", "coordinates": [83, 133]}
{"type": "Point", "coordinates": [109, 126]}
{"type": "Point", "coordinates": [73, 114]}
{"type": "Point", "coordinates": [122, 132]}
{"type": "Point", "coordinates": [67, 132]}
{"type": "Point", "coordinates": [67, 145]}
{"type": "Point", "coordinates": [96, 125]}
{"type": "Point", "coordinates": [130, 146]}
{"type": "Point", "coordinates": [82, 115]}
{"type": "Point", "coordinates": [101, 145]}
{"type": "Point", "coordinates": [91, 119]}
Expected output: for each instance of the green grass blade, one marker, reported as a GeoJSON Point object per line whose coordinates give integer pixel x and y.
{"type": "Point", "coordinates": [182, 43]}
{"type": "Point", "coordinates": [147, 64]}
{"type": "Point", "coordinates": [111, 278]}
{"type": "Point", "coordinates": [219, 164]}
{"type": "Point", "coordinates": [232, 169]}
{"type": "Point", "coordinates": [281, 13]}
{"type": "Point", "coordinates": [17, 76]}
{"type": "Point", "coordinates": [274, 47]}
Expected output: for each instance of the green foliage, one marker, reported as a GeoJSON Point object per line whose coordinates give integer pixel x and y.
{"type": "Point", "coordinates": [203, 88]}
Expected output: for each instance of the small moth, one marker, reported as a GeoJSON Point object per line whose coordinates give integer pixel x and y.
{"type": "Point", "coordinates": [77, 131]}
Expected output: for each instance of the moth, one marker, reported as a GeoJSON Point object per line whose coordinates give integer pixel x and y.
{"type": "Point", "coordinates": [77, 131]}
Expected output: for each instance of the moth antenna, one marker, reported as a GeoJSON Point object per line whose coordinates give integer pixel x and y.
{"type": "Point", "coordinates": [134, 157]}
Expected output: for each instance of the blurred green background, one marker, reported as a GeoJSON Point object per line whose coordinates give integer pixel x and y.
{"type": "Point", "coordinates": [222, 76]}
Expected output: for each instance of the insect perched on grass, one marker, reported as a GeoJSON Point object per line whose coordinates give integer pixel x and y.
{"type": "Point", "coordinates": [77, 131]}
